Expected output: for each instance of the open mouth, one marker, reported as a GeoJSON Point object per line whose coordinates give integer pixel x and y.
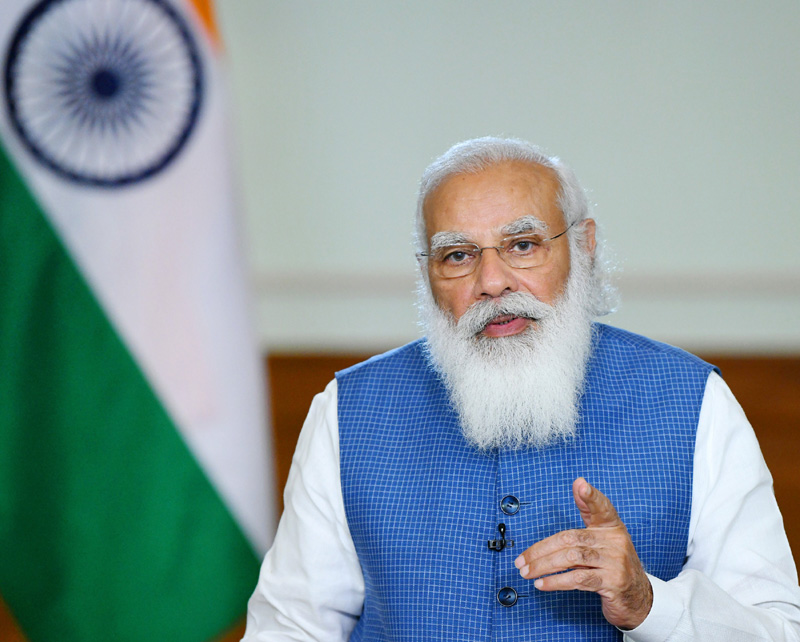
{"type": "Point", "coordinates": [505, 325]}
{"type": "Point", "coordinates": [503, 320]}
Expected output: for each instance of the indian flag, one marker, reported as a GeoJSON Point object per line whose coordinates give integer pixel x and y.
{"type": "Point", "coordinates": [135, 498]}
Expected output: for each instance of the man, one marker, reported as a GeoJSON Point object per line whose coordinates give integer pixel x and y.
{"type": "Point", "coordinates": [524, 473]}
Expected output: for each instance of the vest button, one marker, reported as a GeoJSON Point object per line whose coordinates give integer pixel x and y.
{"type": "Point", "coordinates": [507, 596]}
{"type": "Point", "coordinates": [509, 505]}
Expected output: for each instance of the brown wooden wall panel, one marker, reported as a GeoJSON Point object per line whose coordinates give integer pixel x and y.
{"type": "Point", "coordinates": [293, 380]}
{"type": "Point", "coordinates": [768, 389]}
{"type": "Point", "coordinates": [9, 630]}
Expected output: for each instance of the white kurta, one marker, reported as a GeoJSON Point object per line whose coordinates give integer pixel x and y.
{"type": "Point", "coordinates": [739, 581]}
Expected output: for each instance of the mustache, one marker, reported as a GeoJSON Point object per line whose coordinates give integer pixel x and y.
{"type": "Point", "coordinates": [518, 304]}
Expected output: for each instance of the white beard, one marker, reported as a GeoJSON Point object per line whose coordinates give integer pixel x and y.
{"type": "Point", "coordinates": [522, 390]}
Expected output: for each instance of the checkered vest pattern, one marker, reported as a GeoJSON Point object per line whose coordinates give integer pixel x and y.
{"type": "Point", "coordinates": [425, 508]}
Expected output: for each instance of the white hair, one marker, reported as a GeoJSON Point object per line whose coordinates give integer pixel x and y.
{"type": "Point", "coordinates": [478, 154]}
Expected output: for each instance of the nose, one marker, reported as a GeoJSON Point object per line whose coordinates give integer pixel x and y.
{"type": "Point", "coordinates": [494, 277]}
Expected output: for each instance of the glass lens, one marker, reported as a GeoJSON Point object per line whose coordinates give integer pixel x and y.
{"type": "Point", "coordinates": [525, 251]}
{"type": "Point", "coordinates": [456, 260]}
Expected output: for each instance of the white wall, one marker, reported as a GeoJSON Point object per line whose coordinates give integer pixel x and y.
{"type": "Point", "coordinates": [681, 118]}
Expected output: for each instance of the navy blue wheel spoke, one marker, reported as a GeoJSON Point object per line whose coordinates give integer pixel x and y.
{"type": "Point", "coordinates": [103, 93]}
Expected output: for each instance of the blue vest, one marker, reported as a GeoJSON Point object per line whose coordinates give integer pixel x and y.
{"type": "Point", "coordinates": [422, 504]}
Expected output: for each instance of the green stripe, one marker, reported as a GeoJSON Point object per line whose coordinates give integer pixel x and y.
{"type": "Point", "coordinates": [109, 529]}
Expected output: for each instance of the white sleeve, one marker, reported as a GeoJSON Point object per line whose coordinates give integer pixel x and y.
{"type": "Point", "coordinates": [311, 586]}
{"type": "Point", "coordinates": [739, 582]}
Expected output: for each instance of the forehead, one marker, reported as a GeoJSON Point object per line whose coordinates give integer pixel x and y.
{"type": "Point", "coordinates": [480, 205]}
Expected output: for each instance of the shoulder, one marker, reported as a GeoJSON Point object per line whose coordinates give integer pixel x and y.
{"type": "Point", "coordinates": [393, 362]}
{"type": "Point", "coordinates": [623, 345]}
{"type": "Point", "coordinates": [403, 377]}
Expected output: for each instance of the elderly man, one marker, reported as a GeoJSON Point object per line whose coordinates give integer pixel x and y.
{"type": "Point", "coordinates": [524, 473]}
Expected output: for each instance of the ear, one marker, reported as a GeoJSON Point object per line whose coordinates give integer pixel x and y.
{"type": "Point", "coordinates": [589, 238]}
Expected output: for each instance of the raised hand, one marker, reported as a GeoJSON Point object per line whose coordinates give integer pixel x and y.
{"type": "Point", "coordinates": [599, 558]}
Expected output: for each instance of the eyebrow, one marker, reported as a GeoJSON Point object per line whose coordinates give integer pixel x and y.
{"type": "Point", "coordinates": [523, 225]}
{"type": "Point", "coordinates": [443, 239]}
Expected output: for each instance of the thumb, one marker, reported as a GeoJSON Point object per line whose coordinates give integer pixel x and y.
{"type": "Point", "coordinates": [596, 509]}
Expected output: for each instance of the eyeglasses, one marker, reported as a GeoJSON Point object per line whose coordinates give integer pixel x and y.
{"type": "Point", "coordinates": [520, 251]}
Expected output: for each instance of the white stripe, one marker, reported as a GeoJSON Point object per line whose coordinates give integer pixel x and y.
{"type": "Point", "coordinates": [164, 261]}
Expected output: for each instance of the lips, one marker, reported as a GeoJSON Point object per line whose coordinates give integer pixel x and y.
{"type": "Point", "coordinates": [505, 325]}
{"type": "Point", "coordinates": [503, 319]}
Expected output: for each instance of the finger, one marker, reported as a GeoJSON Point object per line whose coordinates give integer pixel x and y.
{"type": "Point", "coordinates": [626, 600]}
{"type": "Point", "coordinates": [596, 509]}
{"type": "Point", "coordinates": [558, 544]}
{"type": "Point", "coordinates": [581, 579]}
{"type": "Point", "coordinates": [563, 560]}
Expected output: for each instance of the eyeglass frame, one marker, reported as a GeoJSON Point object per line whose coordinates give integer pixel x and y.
{"type": "Point", "coordinates": [498, 248]}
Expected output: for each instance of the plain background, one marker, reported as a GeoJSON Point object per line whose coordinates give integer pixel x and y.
{"type": "Point", "coordinates": [682, 119]}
